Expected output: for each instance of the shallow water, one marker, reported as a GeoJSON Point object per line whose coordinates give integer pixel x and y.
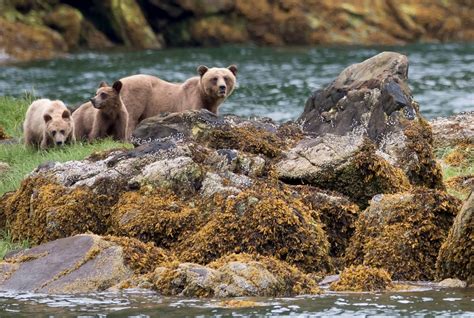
{"type": "Point", "coordinates": [273, 82]}
{"type": "Point", "coordinates": [447, 303]}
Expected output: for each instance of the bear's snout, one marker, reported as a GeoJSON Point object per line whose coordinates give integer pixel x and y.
{"type": "Point", "coordinates": [222, 89]}
{"type": "Point", "coordinates": [59, 143]}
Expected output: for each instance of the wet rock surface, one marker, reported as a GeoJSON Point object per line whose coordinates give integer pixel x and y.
{"type": "Point", "coordinates": [456, 256]}
{"type": "Point", "coordinates": [227, 206]}
{"type": "Point", "coordinates": [453, 130]}
{"type": "Point", "coordinates": [82, 263]}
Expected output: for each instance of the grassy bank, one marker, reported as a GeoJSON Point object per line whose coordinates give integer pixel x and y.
{"type": "Point", "coordinates": [21, 159]}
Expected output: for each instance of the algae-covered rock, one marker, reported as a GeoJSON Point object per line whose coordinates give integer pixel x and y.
{"type": "Point", "coordinates": [68, 21]}
{"type": "Point", "coordinates": [24, 42]}
{"type": "Point", "coordinates": [263, 220]}
{"type": "Point", "coordinates": [129, 24]}
{"type": "Point", "coordinates": [77, 264]}
{"type": "Point", "coordinates": [372, 99]}
{"type": "Point", "coordinates": [349, 164]}
{"type": "Point", "coordinates": [235, 275]}
{"type": "Point", "coordinates": [362, 278]}
{"type": "Point", "coordinates": [456, 256]}
{"type": "Point", "coordinates": [402, 233]}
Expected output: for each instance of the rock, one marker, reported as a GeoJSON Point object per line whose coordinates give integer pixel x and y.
{"type": "Point", "coordinates": [402, 233]}
{"type": "Point", "coordinates": [362, 278]}
{"type": "Point", "coordinates": [18, 39]}
{"type": "Point", "coordinates": [453, 130]}
{"type": "Point", "coordinates": [213, 31]}
{"type": "Point", "coordinates": [68, 21]}
{"type": "Point", "coordinates": [3, 134]}
{"type": "Point", "coordinates": [207, 7]}
{"type": "Point", "coordinates": [456, 256]}
{"type": "Point", "coordinates": [337, 213]}
{"type": "Point", "coordinates": [129, 24]}
{"type": "Point", "coordinates": [372, 100]}
{"type": "Point", "coordinates": [92, 38]}
{"type": "Point", "coordinates": [452, 283]}
{"type": "Point", "coordinates": [236, 275]}
{"type": "Point", "coordinates": [4, 168]}
{"type": "Point", "coordinates": [348, 164]}
{"type": "Point", "coordinates": [78, 264]}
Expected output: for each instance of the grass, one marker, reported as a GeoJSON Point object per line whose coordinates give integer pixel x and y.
{"type": "Point", "coordinates": [457, 164]}
{"type": "Point", "coordinates": [22, 159]}
{"type": "Point", "coordinates": [7, 244]}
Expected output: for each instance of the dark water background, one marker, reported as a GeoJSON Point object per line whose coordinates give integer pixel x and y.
{"type": "Point", "coordinates": [273, 82]}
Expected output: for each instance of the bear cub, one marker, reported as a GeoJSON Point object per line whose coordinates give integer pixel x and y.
{"type": "Point", "coordinates": [105, 115]}
{"type": "Point", "coordinates": [48, 124]}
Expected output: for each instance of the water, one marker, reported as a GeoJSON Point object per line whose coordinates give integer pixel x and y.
{"type": "Point", "coordinates": [273, 82]}
{"type": "Point", "coordinates": [447, 303]}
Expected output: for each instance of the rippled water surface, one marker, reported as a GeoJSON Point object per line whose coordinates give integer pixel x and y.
{"type": "Point", "coordinates": [273, 82]}
{"type": "Point", "coordinates": [447, 303]}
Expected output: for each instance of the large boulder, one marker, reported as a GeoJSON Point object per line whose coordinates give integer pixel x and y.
{"type": "Point", "coordinates": [456, 256]}
{"type": "Point", "coordinates": [372, 100]}
{"type": "Point", "coordinates": [403, 233]}
{"type": "Point", "coordinates": [68, 21]}
{"type": "Point", "coordinates": [77, 264]}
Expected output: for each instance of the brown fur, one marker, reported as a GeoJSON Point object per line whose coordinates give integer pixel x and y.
{"type": "Point", "coordinates": [105, 115]}
{"type": "Point", "coordinates": [48, 124]}
{"type": "Point", "coordinates": [146, 96]}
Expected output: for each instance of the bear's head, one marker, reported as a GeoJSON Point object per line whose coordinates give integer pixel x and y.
{"type": "Point", "coordinates": [216, 82]}
{"type": "Point", "coordinates": [59, 127]}
{"type": "Point", "coordinates": [107, 97]}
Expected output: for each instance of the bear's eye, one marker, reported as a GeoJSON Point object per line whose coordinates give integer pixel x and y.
{"type": "Point", "coordinates": [214, 79]}
{"type": "Point", "coordinates": [103, 95]}
{"type": "Point", "coordinates": [62, 132]}
{"type": "Point", "coordinates": [53, 133]}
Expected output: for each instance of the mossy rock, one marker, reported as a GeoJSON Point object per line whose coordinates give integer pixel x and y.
{"type": "Point", "coordinates": [41, 211]}
{"type": "Point", "coordinates": [265, 220]}
{"type": "Point", "coordinates": [217, 30]}
{"type": "Point", "coordinates": [235, 275]}
{"type": "Point", "coordinates": [348, 164]}
{"type": "Point", "coordinates": [402, 233]}
{"type": "Point", "coordinates": [129, 24]}
{"type": "Point", "coordinates": [456, 256]}
{"type": "Point", "coordinates": [68, 20]}
{"type": "Point", "coordinates": [18, 38]}
{"type": "Point", "coordinates": [361, 279]}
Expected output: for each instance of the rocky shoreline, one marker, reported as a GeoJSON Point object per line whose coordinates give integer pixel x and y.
{"type": "Point", "coordinates": [222, 206]}
{"type": "Point", "coordinates": [54, 27]}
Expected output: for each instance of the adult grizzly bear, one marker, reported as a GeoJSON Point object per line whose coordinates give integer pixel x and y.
{"type": "Point", "coordinates": [48, 123]}
{"type": "Point", "coordinates": [146, 96]}
{"type": "Point", "coordinates": [105, 115]}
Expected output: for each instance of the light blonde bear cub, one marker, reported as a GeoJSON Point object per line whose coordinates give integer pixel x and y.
{"type": "Point", "coordinates": [48, 124]}
{"type": "Point", "coordinates": [105, 115]}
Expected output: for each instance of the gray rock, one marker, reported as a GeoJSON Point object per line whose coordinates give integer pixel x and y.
{"type": "Point", "coordinates": [449, 131]}
{"type": "Point", "coordinates": [4, 167]}
{"type": "Point", "coordinates": [452, 283]}
{"type": "Point", "coordinates": [82, 263]}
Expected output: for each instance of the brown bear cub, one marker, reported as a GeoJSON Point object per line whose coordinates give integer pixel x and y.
{"type": "Point", "coordinates": [48, 124]}
{"type": "Point", "coordinates": [105, 115]}
{"type": "Point", "coordinates": [146, 96]}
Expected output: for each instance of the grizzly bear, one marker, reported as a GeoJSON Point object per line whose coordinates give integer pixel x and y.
{"type": "Point", "coordinates": [105, 115]}
{"type": "Point", "coordinates": [146, 96]}
{"type": "Point", "coordinates": [48, 123]}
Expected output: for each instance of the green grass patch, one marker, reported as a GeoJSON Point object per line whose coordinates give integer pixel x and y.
{"type": "Point", "coordinates": [7, 244]}
{"type": "Point", "coordinates": [22, 159]}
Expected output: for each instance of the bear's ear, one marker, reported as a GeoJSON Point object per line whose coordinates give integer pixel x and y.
{"type": "Point", "coordinates": [202, 69]}
{"type": "Point", "coordinates": [66, 114]}
{"type": "Point", "coordinates": [117, 86]}
{"type": "Point", "coordinates": [233, 69]}
{"type": "Point", "coordinates": [47, 118]}
{"type": "Point", "coordinates": [103, 84]}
